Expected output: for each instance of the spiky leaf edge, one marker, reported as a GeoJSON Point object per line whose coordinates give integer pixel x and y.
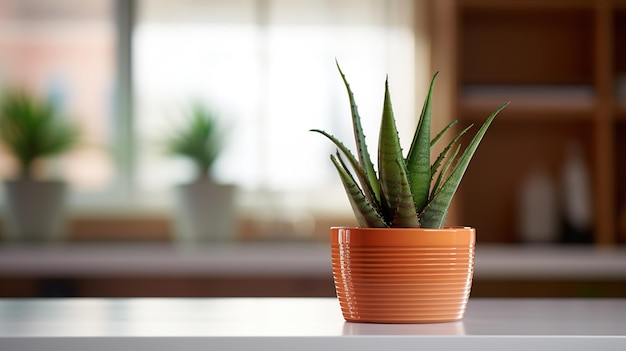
{"type": "Point", "coordinates": [398, 206]}
{"type": "Point", "coordinates": [442, 155]}
{"type": "Point", "coordinates": [366, 215]}
{"type": "Point", "coordinates": [418, 158]}
{"type": "Point", "coordinates": [359, 136]}
{"type": "Point", "coordinates": [435, 213]}
{"type": "Point", "coordinates": [435, 188]}
{"type": "Point", "coordinates": [443, 131]}
{"type": "Point", "coordinates": [363, 180]}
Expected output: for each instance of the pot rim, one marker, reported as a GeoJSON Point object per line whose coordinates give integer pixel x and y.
{"type": "Point", "coordinates": [448, 228]}
{"type": "Point", "coordinates": [403, 236]}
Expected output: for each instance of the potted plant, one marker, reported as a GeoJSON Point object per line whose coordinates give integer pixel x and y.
{"type": "Point", "coordinates": [205, 209]}
{"type": "Point", "coordinates": [33, 130]}
{"type": "Point", "coordinates": [401, 265]}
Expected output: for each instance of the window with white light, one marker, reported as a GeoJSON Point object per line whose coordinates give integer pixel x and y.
{"type": "Point", "coordinates": [268, 67]}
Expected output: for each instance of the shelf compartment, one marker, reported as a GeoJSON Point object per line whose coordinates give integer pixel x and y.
{"type": "Point", "coordinates": [537, 46]}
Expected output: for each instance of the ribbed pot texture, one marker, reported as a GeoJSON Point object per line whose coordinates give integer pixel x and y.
{"type": "Point", "coordinates": [403, 275]}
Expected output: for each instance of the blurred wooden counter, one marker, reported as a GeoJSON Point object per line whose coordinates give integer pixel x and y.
{"type": "Point", "coordinates": [284, 269]}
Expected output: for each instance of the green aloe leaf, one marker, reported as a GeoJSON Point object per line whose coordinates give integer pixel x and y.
{"type": "Point", "coordinates": [366, 185]}
{"type": "Point", "coordinates": [444, 152]}
{"type": "Point", "coordinates": [443, 131]}
{"type": "Point", "coordinates": [394, 180]}
{"type": "Point", "coordinates": [418, 158]}
{"type": "Point", "coordinates": [366, 215]}
{"type": "Point", "coordinates": [435, 189]}
{"type": "Point", "coordinates": [364, 157]}
{"type": "Point", "coordinates": [435, 213]}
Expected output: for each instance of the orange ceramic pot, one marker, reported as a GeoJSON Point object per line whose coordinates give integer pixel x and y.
{"type": "Point", "coordinates": [403, 275]}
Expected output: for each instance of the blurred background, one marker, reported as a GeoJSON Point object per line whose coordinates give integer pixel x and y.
{"type": "Point", "coordinates": [543, 190]}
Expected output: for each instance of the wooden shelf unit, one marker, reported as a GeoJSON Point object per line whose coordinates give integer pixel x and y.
{"type": "Point", "coordinates": [562, 64]}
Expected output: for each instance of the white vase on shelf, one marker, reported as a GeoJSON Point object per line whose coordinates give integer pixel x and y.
{"type": "Point", "coordinates": [538, 215]}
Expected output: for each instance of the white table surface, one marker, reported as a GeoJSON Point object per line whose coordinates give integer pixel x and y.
{"type": "Point", "coordinates": [291, 259]}
{"type": "Point", "coordinates": [302, 324]}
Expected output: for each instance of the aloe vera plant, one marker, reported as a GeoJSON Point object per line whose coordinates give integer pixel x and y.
{"type": "Point", "coordinates": [406, 191]}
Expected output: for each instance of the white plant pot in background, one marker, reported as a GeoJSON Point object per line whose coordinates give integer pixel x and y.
{"type": "Point", "coordinates": [35, 211]}
{"type": "Point", "coordinates": [205, 212]}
